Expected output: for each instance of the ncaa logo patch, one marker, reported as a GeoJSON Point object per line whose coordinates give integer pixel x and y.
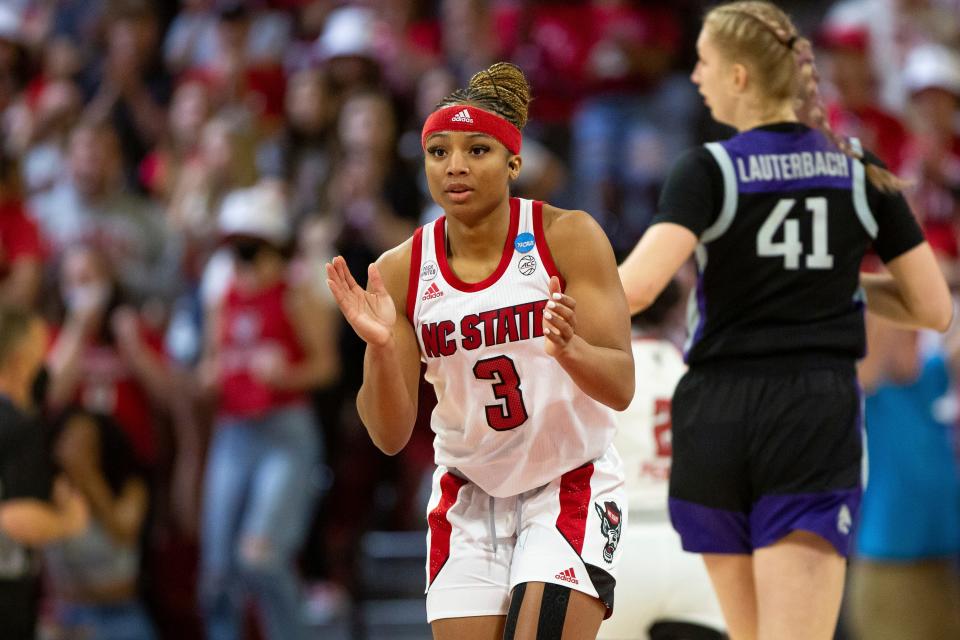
{"type": "Point", "coordinates": [524, 242]}
{"type": "Point", "coordinates": [527, 265]}
{"type": "Point", "coordinates": [428, 271]}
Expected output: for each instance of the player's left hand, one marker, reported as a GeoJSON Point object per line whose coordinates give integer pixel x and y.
{"type": "Point", "coordinates": [559, 319]}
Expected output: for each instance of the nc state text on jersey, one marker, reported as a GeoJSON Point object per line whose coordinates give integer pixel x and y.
{"type": "Point", "coordinates": [488, 328]}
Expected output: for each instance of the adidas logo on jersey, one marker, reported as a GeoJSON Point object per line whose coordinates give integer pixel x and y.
{"type": "Point", "coordinates": [567, 576]}
{"type": "Point", "coordinates": [433, 291]}
{"type": "Point", "coordinates": [462, 116]}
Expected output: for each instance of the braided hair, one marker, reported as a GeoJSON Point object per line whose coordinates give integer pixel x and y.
{"type": "Point", "coordinates": [501, 89]}
{"type": "Point", "coordinates": [784, 63]}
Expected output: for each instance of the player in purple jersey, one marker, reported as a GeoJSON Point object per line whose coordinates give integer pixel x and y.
{"type": "Point", "coordinates": [766, 475]}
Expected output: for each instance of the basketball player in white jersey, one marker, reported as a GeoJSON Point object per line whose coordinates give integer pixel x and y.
{"type": "Point", "coordinates": [517, 310]}
{"type": "Point", "coordinates": [664, 593]}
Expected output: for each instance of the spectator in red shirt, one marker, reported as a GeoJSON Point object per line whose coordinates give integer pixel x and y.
{"type": "Point", "coordinates": [269, 342]}
{"type": "Point", "coordinates": [21, 254]}
{"type": "Point", "coordinates": [236, 79]}
{"type": "Point", "coordinates": [932, 78]}
{"type": "Point", "coordinates": [855, 110]}
{"type": "Point", "coordinates": [103, 358]}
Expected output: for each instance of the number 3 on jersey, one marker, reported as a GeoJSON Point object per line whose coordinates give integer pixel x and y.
{"type": "Point", "coordinates": [790, 247]}
{"type": "Point", "coordinates": [512, 412]}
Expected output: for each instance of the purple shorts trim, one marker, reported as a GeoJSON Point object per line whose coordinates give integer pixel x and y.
{"type": "Point", "coordinates": [830, 514]}
{"type": "Point", "coordinates": [708, 530]}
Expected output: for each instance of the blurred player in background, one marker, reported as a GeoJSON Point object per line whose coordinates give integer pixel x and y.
{"type": "Point", "coordinates": [665, 592]}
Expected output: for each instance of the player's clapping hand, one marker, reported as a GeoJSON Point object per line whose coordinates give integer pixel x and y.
{"type": "Point", "coordinates": [559, 319]}
{"type": "Point", "coordinates": [371, 313]}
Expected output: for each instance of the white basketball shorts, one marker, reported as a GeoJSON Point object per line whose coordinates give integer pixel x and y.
{"type": "Point", "coordinates": [566, 532]}
{"type": "Point", "coordinates": [659, 582]}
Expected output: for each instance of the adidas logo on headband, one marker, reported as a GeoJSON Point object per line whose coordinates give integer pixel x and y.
{"type": "Point", "coordinates": [462, 116]}
{"type": "Point", "coordinates": [459, 117]}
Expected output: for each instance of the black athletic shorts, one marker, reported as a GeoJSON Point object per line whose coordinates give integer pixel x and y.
{"type": "Point", "coordinates": [761, 450]}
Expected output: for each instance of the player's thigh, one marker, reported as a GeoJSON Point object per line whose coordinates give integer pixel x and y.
{"type": "Point", "coordinates": [732, 577]}
{"type": "Point", "coordinates": [799, 582]}
{"type": "Point", "coordinates": [468, 558]}
{"type": "Point", "coordinates": [473, 628]}
{"type": "Point", "coordinates": [569, 530]}
{"type": "Point", "coordinates": [547, 611]}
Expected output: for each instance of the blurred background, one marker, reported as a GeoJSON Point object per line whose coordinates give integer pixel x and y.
{"type": "Point", "coordinates": [152, 148]}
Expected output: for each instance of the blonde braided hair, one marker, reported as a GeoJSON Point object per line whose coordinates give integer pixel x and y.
{"type": "Point", "coordinates": [783, 61]}
{"type": "Point", "coordinates": [501, 89]}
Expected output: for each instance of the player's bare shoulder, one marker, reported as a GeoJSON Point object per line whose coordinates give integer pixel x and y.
{"type": "Point", "coordinates": [567, 229]}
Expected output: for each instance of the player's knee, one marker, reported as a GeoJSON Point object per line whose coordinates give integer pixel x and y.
{"type": "Point", "coordinates": [554, 601]}
{"type": "Point", "coordinates": [669, 630]}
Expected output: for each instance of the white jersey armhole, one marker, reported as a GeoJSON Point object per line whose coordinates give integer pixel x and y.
{"type": "Point", "coordinates": [729, 207]}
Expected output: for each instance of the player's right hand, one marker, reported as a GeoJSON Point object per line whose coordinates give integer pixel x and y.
{"type": "Point", "coordinates": [371, 313]}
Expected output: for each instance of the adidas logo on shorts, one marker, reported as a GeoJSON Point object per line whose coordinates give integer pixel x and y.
{"type": "Point", "coordinates": [462, 116]}
{"type": "Point", "coordinates": [433, 291]}
{"type": "Point", "coordinates": [567, 576]}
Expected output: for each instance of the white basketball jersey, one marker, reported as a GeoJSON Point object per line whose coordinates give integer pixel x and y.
{"type": "Point", "coordinates": [643, 430]}
{"type": "Point", "coordinates": [508, 417]}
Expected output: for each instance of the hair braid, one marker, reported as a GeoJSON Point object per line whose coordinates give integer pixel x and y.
{"type": "Point", "coordinates": [502, 89]}
{"type": "Point", "coordinates": [798, 78]}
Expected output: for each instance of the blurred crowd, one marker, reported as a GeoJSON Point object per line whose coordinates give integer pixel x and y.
{"type": "Point", "coordinates": [174, 176]}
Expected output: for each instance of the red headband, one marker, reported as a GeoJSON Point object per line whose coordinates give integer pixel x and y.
{"type": "Point", "coordinates": [461, 117]}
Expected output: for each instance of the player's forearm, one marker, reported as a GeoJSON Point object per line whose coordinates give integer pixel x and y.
{"type": "Point", "coordinates": [885, 298]}
{"type": "Point", "coordinates": [640, 292]}
{"type": "Point", "coordinates": [604, 374]}
{"type": "Point", "coordinates": [384, 403]}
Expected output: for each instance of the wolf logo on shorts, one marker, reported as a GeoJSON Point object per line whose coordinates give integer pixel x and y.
{"type": "Point", "coordinates": [609, 527]}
